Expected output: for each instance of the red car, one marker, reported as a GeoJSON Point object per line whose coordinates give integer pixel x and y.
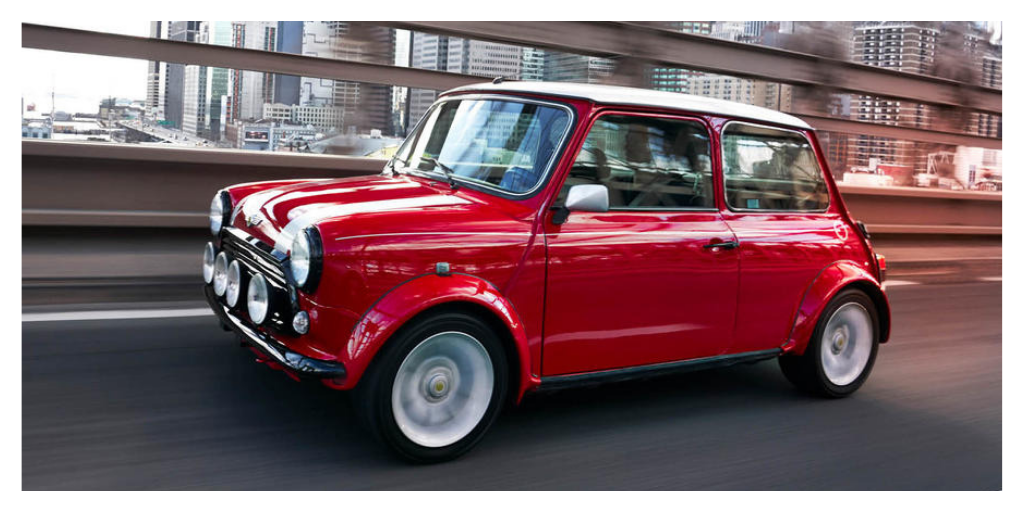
{"type": "Point", "coordinates": [530, 236]}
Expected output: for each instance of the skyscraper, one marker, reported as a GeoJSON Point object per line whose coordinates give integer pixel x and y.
{"type": "Point", "coordinates": [248, 91]}
{"type": "Point", "coordinates": [205, 88]}
{"type": "Point", "coordinates": [677, 79]}
{"type": "Point", "coordinates": [156, 76]}
{"type": "Point", "coordinates": [187, 31]}
{"type": "Point", "coordinates": [426, 51]}
{"type": "Point", "coordinates": [533, 64]}
{"type": "Point", "coordinates": [568, 67]}
{"type": "Point", "coordinates": [257, 87]}
{"type": "Point", "coordinates": [742, 90]}
{"type": "Point", "coordinates": [366, 106]}
{"type": "Point", "coordinates": [289, 40]}
{"type": "Point", "coordinates": [901, 46]}
{"type": "Point", "coordinates": [466, 56]}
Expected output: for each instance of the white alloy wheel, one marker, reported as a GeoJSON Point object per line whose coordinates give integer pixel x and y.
{"type": "Point", "coordinates": [442, 389]}
{"type": "Point", "coordinates": [846, 344]}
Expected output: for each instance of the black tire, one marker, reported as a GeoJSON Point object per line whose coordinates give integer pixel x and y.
{"type": "Point", "coordinates": [806, 371]}
{"type": "Point", "coordinates": [373, 394]}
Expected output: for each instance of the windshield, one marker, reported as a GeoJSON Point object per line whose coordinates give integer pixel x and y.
{"type": "Point", "coordinates": [502, 144]}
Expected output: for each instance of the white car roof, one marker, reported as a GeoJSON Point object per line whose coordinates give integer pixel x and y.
{"type": "Point", "coordinates": [616, 95]}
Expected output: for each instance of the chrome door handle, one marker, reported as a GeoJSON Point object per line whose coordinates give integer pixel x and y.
{"type": "Point", "coordinates": [731, 244]}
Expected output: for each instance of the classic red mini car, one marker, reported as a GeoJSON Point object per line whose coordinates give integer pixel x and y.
{"type": "Point", "coordinates": [529, 236]}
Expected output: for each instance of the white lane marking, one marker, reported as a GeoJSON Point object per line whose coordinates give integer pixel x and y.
{"type": "Point", "coordinates": [896, 282]}
{"type": "Point", "coordinates": [922, 273]}
{"type": "Point", "coordinates": [994, 279]}
{"type": "Point", "coordinates": [118, 314]}
{"type": "Point", "coordinates": [939, 260]}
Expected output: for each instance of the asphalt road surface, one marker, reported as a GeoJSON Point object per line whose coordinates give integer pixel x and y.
{"type": "Point", "coordinates": [176, 404]}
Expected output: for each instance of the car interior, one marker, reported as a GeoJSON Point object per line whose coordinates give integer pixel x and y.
{"type": "Point", "coordinates": [646, 163]}
{"type": "Point", "coordinates": [770, 169]}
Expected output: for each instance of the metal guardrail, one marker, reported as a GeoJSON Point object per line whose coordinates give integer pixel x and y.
{"type": "Point", "coordinates": [138, 185]}
{"type": "Point", "coordinates": [595, 38]}
{"type": "Point", "coordinates": [42, 37]}
{"type": "Point", "coordinates": [152, 186]}
{"type": "Point", "coordinates": [121, 179]}
{"type": "Point", "coordinates": [831, 124]}
{"type": "Point", "coordinates": [643, 41]}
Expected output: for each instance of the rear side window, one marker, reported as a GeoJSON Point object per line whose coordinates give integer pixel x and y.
{"type": "Point", "coordinates": [646, 163]}
{"type": "Point", "coordinates": [771, 169]}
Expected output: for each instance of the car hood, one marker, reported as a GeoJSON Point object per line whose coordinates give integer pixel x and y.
{"type": "Point", "coordinates": [278, 214]}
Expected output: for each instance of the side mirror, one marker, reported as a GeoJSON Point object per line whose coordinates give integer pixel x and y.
{"type": "Point", "coordinates": [583, 198]}
{"type": "Point", "coordinates": [587, 198]}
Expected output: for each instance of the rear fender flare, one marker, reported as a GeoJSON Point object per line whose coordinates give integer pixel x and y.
{"type": "Point", "coordinates": [830, 281]}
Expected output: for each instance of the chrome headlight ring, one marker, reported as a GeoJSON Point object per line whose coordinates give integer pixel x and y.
{"type": "Point", "coordinates": [220, 212]}
{"type": "Point", "coordinates": [305, 261]}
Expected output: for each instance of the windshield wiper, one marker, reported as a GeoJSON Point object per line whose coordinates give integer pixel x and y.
{"type": "Point", "coordinates": [449, 174]}
{"type": "Point", "coordinates": [394, 170]}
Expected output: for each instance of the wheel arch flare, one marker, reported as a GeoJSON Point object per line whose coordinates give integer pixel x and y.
{"type": "Point", "coordinates": [829, 282]}
{"type": "Point", "coordinates": [429, 293]}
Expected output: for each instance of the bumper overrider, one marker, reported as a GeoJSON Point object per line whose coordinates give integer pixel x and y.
{"type": "Point", "coordinates": [293, 361]}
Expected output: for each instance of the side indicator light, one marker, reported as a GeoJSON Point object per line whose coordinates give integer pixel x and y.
{"type": "Point", "coordinates": [881, 266]}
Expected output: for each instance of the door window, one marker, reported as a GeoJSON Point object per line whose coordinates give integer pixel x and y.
{"type": "Point", "coordinates": [771, 169]}
{"type": "Point", "coordinates": [646, 163]}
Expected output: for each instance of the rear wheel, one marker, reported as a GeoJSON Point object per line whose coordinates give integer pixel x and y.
{"type": "Point", "coordinates": [435, 388]}
{"type": "Point", "coordinates": [842, 349]}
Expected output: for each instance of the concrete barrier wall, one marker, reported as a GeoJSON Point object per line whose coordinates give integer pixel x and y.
{"type": "Point", "coordinates": [79, 184]}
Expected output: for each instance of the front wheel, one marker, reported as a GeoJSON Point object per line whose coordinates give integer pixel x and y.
{"type": "Point", "coordinates": [435, 388]}
{"type": "Point", "coordinates": [842, 349]}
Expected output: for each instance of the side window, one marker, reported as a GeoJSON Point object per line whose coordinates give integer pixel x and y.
{"type": "Point", "coordinates": [771, 169]}
{"type": "Point", "coordinates": [646, 162]}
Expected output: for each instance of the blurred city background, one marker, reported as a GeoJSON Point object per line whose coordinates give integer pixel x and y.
{"type": "Point", "coordinates": [178, 104]}
{"type": "Point", "coordinates": [129, 128]}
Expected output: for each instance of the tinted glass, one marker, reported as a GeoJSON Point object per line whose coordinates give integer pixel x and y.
{"type": "Point", "coordinates": [646, 162]}
{"type": "Point", "coordinates": [507, 145]}
{"type": "Point", "coordinates": [769, 169]}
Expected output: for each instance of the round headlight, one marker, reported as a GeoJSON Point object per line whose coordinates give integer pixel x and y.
{"type": "Point", "coordinates": [300, 258]}
{"type": "Point", "coordinates": [234, 283]}
{"type": "Point", "coordinates": [220, 274]}
{"type": "Point", "coordinates": [306, 259]}
{"type": "Point", "coordinates": [218, 212]}
{"type": "Point", "coordinates": [209, 254]}
{"type": "Point", "coordinates": [258, 299]}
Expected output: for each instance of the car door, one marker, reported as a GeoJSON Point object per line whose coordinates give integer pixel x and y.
{"type": "Point", "coordinates": [643, 282]}
{"type": "Point", "coordinates": [777, 203]}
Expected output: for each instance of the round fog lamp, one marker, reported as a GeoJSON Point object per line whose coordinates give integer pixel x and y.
{"type": "Point", "coordinates": [220, 274]}
{"type": "Point", "coordinates": [258, 299]}
{"type": "Point", "coordinates": [300, 322]}
{"type": "Point", "coordinates": [209, 255]}
{"type": "Point", "coordinates": [234, 283]}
